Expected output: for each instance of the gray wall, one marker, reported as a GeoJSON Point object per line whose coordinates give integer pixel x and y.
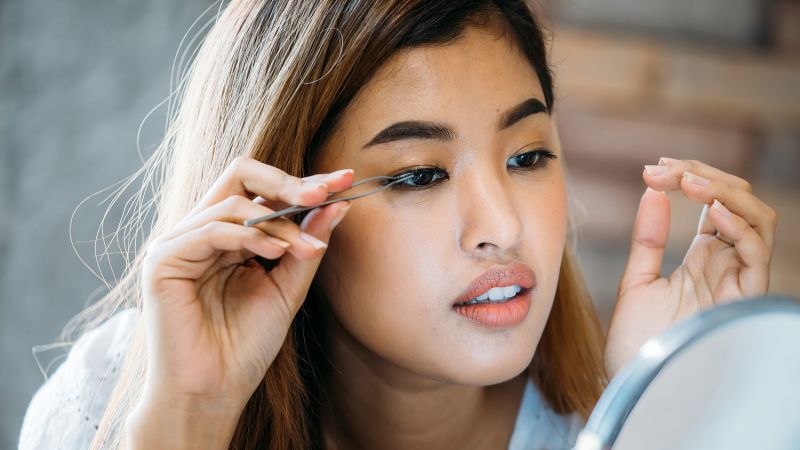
{"type": "Point", "coordinates": [77, 77]}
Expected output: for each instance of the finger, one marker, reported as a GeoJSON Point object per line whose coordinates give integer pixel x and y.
{"type": "Point", "coordinates": [336, 181]}
{"type": "Point", "coordinates": [741, 202]}
{"type": "Point", "coordinates": [189, 255]}
{"type": "Point", "coordinates": [705, 225]}
{"type": "Point", "coordinates": [294, 274]}
{"type": "Point", "coordinates": [667, 175]}
{"type": "Point", "coordinates": [248, 177]}
{"type": "Point", "coordinates": [753, 252]}
{"type": "Point", "coordinates": [236, 209]}
{"type": "Point", "coordinates": [649, 238]}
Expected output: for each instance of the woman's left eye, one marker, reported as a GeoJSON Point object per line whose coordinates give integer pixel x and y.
{"type": "Point", "coordinates": [533, 159]}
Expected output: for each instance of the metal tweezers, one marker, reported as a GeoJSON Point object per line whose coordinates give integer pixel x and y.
{"type": "Point", "coordinates": [297, 209]}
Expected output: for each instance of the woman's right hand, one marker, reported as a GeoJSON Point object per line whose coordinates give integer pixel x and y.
{"type": "Point", "coordinates": [214, 318]}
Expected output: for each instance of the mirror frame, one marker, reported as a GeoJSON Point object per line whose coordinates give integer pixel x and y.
{"type": "Point", "coordinates": [626, 388]}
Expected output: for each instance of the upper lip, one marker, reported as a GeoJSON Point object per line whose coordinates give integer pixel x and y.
{"type": "Point", "coordinates": [516, 273]}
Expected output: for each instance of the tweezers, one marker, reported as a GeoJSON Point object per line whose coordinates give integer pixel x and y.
{"type": "Point", "coordinates": [297, 209]}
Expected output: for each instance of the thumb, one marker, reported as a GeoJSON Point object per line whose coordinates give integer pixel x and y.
{"type": "Point", "coordinates": [294, 275]}
{"type": "Point", "coordinates": [649, 238]}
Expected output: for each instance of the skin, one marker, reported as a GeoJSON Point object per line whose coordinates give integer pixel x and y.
{"type": "Point", "coordinates": [712, 272]}
{"type": "Point", "coordinates": [420, 374]}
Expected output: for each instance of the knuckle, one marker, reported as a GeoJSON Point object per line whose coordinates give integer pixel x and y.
{"type": "Point", "coordinates": [694, 163]}
{"type": "Point", "coordinates": [248, 237]}
{"type": "Point", "coordinates": [234, 169]}
{"type": "Point", "coordinates": [772, 215]}
{"type": "Point", "coordinates": [234, 202]}
{"type": "Point", "coordinates": [238, 162]}
{"type": "Point", "coordinates": [741, 183]}
{"type": "Point", "coordinates": [746, 185]}
{"type": "Point", "coordinates": [209, 229]}
{"type": "Point", "coordinates": [281, 178]}
{"type": "Point", "coordinates": [253, 236]}
{"type": "Point", "coordinates": [287, 180]}
{"type": "Point", "coordinates": [287, 185]}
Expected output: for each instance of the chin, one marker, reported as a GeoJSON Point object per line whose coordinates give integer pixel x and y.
{"type": "Point", "coordinates": [494, 368]}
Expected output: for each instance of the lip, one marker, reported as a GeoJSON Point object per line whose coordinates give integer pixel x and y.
{"type": "Point", "coordinates": [498, 315]}
{"type": "Point", "coordinates": [515, 273]}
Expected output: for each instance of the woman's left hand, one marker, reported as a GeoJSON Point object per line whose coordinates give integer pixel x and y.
{"type": "Point", "coordinates": [713, 271]}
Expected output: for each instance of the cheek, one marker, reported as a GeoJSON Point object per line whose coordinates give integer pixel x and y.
{"type": "Point", "coordinates": [388, 279]}
{"type": "Point", "coordinates": [549, 218]}
{"type": "Point", "coordinates": [546, 220]}
{"type": "Point", "coordinates": [379, 271]}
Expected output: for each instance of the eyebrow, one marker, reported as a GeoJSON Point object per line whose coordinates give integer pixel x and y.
{"type": "Point", "coordinates": [416, 129]}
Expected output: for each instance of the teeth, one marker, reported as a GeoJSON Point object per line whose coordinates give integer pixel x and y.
{"type": "Point", "coordinates": [495, 294]}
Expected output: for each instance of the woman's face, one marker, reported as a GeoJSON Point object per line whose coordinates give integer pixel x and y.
{"type": "Point", "coordinates": [399, 260]}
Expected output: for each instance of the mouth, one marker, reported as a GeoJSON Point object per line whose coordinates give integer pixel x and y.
{"type": "Point", "coordinates": [498, 298]}
{"type": "Point", "coordinates": [496, 295]}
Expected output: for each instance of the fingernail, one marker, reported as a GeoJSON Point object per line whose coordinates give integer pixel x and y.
{"type": "Point", "coordinates": [339, 172]}
{"type": "Point", "coordinates": [316, 243]}
{"type": "Point", "coordinates": [664, 161]}
{"type": "Point", "coordinates": [278, 242]}
{"type": "Point", "coordinates": [340, 215]}
{"type": "Point", "coordinates": [721, 208]}
{"type": "Point", "coordinates": [656, 170]}
{"type": "Point", "coordinates": [695, 179]}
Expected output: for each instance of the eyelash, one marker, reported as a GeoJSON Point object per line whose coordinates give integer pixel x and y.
{"type": "Point", "coordinates": [542, 157]}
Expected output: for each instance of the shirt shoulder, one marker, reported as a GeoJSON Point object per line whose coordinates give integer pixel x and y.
{"type": "Point", "coordinates": [538, 427]}
{"type": "Point", "coordinates": [65, 411]}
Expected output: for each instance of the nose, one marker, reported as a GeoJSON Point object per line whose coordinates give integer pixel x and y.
{"type": "Point", "coordinates": [490, 223]}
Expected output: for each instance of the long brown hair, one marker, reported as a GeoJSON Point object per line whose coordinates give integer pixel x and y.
{"type": "Point", "coordinates": [270, 81]}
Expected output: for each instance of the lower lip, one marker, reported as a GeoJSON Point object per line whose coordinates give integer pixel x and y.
{"type": "Point", "coordinates": [498, 315]}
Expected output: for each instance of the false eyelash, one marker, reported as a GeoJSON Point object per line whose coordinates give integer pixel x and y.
{"type": "Point", "coordinates": [544, 155]}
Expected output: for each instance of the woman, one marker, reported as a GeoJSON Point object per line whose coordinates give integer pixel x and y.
{"type": "Point", "coordinates": [354, 326]}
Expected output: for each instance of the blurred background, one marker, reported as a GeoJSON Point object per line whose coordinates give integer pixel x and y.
{"type": "Point", "coordinates": [713, 80]}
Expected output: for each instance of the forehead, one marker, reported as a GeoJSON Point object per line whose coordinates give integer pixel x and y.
{"type": "Point", "coordinates": [468, 80]}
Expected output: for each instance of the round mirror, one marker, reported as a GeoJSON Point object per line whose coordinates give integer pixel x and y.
{"type": "Point", "coordinates": [726, 378]}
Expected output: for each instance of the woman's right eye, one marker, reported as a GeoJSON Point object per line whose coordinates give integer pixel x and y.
{"type": "Point", "coordinates": [419, 178]}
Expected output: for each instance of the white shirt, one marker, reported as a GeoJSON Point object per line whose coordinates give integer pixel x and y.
{"type": "Point", "coordinates": [66, 409]}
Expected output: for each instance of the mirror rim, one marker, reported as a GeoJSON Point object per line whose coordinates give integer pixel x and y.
{"type": "Point", "coordinates": [626, 387]}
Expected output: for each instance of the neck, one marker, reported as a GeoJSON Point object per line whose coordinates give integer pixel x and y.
{"type": "Point", "coordinates": [373, 403]}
